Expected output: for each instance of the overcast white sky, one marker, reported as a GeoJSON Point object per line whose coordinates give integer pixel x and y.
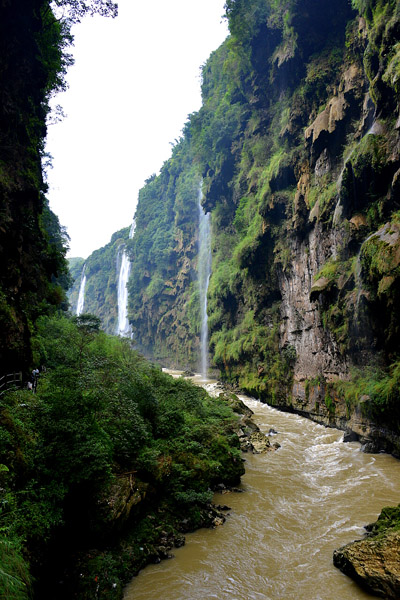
{"type": "Point", "coordinates": [135, 80]}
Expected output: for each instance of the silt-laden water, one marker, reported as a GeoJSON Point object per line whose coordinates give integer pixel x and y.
{"type": "Point", "coordinates": [301, 502]}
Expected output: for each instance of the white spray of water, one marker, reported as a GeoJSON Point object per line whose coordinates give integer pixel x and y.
{"type": "Point", "coordinates": [81, 296]}
{"type": "Point", "coordinates": [124, 328]}
{"type": "Point", "coordinates": [204, 272]}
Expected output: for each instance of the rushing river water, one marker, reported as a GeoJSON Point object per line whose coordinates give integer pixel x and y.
{"type": "Point", "coordinates": [301, 502]}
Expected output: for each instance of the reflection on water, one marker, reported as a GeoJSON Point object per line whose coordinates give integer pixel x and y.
{"type": "Point", "coordinates": [300, 503]}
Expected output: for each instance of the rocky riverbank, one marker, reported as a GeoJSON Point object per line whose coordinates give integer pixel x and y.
{"type": "Point", "coordinates": [326, 404]}
{"type": "Point", "coordinates": [374, 562]}
{"type": "Point", "coordinates": [251, 438]}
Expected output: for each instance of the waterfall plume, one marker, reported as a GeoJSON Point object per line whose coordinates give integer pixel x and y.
{"type": "Point", "coordinates": [204, 272]}
{"type": "Point", "coordinates": [124, 328]}
{"type": "Point", "coordinates": [81, 297]}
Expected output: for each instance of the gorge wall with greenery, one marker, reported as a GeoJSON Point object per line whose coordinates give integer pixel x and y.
{"type": "Point", "coordinates": [34, 274]}
{"type": "Point", "coordinates": [297, 150]}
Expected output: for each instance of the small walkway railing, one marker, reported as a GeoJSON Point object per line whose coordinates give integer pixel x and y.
{"type": "Point", "coordinates": [10, 381]}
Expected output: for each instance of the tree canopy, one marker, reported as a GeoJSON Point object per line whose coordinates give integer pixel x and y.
{"type": "Point", "coordinates": [76, 9]}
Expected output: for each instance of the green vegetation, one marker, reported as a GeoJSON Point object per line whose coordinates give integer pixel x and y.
{"type": "Point", "coordinates": [163, 298]}
{"type": "Point", "coordinates": [388, 520]}
{"type": "Point", "coordinates": [34, 59]}
{"type": "Point", "coordinates": [103, 414]}
{"type": "Point", "coordinates": [377, 391]}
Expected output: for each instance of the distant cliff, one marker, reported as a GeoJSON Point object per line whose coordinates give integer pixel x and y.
{"type": "Point", "coordinates": [102, 272]}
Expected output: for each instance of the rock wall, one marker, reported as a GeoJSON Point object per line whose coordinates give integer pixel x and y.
{"type": "Point", "coordinates": [316, 349]}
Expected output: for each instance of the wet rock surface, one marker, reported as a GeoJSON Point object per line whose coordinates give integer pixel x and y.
{"type": "Point", "coordinates": [250, 437]}
{"type": "Point", "coordinates": [374, 562]}
{"type": "Point", "coordinates": [259, 443]}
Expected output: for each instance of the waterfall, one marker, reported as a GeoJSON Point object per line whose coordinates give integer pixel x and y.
{"type": "Point", "coordinates": [81, 297]}
{"type": "Point", "coordinates": [204, 272]}
{"type": "Point", "coordinates": [124, 328]}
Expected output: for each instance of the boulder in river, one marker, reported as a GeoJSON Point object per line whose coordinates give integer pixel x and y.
{"type": "Point", "coordinates": [374, 562]}
{"type": "Point", "coordinates": [260, 443]}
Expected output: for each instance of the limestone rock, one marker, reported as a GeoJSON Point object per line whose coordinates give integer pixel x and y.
{"type": "Point", "coordinates": [218, 521]}
{"type": "Point", "coordinates": [326, 121]}
{"type": "Point", "coordinates": [374, 563]}
{"type": "Point", "coordinates": [260, 443]}
{"type": "Point", "coordinates": [320, 285]}
{"type": "Point", "coordinates": [358, 221]}
{"type": "Point", "coordinates": [235, 403]}
{"type": "Point", "coordinates": [323, 164]}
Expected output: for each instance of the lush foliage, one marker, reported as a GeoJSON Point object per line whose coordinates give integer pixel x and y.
{"type": "Point", "coordinates": [163, 295]}
{"type": "Point", "coordinates": [100, 411]}
{"type": "Point", "coordinates": [377, 391]}
{"type": "Point", "coordinates": [34, 58]}
{"type": "Point", "coordinates": [388, 520]}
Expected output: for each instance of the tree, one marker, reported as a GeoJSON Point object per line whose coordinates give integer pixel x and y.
{"type": "Point", "coordinates": [76, 9]}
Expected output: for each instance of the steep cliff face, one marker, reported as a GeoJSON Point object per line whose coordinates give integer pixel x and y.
{"type": "Point", "coordinates": [163, 293]}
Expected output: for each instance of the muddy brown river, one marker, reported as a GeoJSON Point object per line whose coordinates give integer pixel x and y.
{"type": "Point", "coordinates": [313, 495]}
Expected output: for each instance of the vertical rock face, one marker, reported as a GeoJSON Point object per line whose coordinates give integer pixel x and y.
{"type": "Point", "coordinates": [316, 349]}
{"type": "Point", "coordinates": [318, 192]}
{"type": "Point", "coordinates": [33, 271]}
{"type": "Point", "coordinates": [164, 308]}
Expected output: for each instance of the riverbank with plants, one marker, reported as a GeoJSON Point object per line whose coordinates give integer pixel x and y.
{"type": "Point", "coordinates": [105, 466]}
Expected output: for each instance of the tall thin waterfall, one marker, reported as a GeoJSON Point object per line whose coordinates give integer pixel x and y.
{"type": "Point", "coordinates": [204, 272]}
{"type": "Point", "coordinates": [81, 297]}
{"type": "Point", "coordinates": [124, 328]}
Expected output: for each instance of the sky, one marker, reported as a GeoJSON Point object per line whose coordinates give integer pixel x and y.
{"type": "Point", "coordinates": [135, 80]}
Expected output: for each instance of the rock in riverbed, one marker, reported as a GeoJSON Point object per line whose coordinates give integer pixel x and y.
{"type": "Point", "coordinates": [250, 436]}
{"type": "Point", "coordinates": [374, 563]}
{"type": "Point", "coordinates": [260, 443]}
